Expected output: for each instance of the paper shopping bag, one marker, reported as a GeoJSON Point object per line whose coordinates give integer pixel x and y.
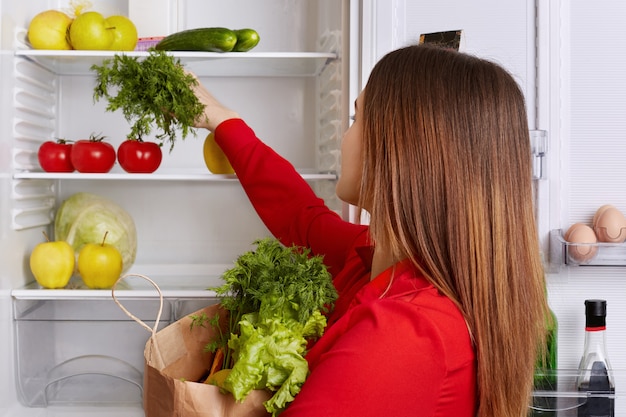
{"type": "Point", "coordinates": [175, 360]}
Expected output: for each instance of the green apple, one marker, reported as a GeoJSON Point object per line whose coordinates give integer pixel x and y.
{"type": "Point", "coordinates": [124, 33]}
{"type": "Point", "coordinates": [52, 263]}
{"type": "Point", "coordinates": [99, 265]}
{"type": "Point", "coordinates": [89, 31]}
{"type": "Point", "coordinates": [48, 30]}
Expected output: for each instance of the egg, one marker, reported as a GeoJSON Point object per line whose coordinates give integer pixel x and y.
{"type": "Point", "coordinates": [610, 225]}
{"type": "Point", "coordinates": [599, 213]}
{"type": "Point", "coordinates": [577, 234]}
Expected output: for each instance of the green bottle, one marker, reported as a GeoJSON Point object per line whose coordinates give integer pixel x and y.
{"type": "Point", "coordinates": [546, 374]}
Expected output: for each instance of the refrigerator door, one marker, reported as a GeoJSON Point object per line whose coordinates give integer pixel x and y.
{"type": "Point", "coordinates": [506, 32]}
{"type": "Point", "coordinates": [586, 113]}
{"type": "Point", "coordinates": [502, 31]}
{"type": "Point", "coordinates": [567, 57]}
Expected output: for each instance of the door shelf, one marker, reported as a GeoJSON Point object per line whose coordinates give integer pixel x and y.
{"type": "Point", "coordinates": [556, 394]}
{"type": "Point", "coordinates": [213, 64]}
{"type": "Point", "coordinates": [607, 254]}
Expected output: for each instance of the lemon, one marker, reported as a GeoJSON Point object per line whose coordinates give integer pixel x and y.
{"type": "Point", "coordinates": [214, 157]}
{"type": "Point", "coordinates": [218, 378]}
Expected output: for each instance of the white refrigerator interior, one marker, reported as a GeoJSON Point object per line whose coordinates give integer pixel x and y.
{"type": "Point", "coordinates": [73, 352]}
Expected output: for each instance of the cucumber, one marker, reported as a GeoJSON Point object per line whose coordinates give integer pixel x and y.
{"type": "Point", "coordinates": [214, 39]}
{"type": "Point", "coordinates": [246, 40]}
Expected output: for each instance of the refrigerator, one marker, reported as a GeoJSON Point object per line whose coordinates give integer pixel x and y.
{"type": "Point", "coordinates": [73, 352]}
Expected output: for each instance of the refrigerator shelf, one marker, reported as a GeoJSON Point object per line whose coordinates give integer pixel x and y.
{"type": "Point", "coordinates": [174, 281]}
{"type": "Point", "coordinates": [607, 254]}
{"type": "Point", "coordinates": [35, 292]}
{"type": "Point", "coordinates": [210, 64]}
{"type": "Point", "coordinates": [202, 175]}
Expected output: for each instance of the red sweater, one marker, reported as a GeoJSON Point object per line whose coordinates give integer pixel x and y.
{"type": "Point", "coordinates": [394, 345]}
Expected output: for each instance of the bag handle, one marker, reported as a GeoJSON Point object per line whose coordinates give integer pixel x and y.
{"type": "Point", "coordinates": [152, 330]}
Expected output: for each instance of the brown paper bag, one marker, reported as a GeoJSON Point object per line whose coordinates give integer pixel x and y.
{"type": "Point", "coordinates": [175, 360]}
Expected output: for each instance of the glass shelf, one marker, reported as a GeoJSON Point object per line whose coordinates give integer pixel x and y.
{"type": "Point", "coordinates": [174, 281]}
{"type": "Point", "coordinates": [214, 64]}
{"type": "Point", "coordinates": [78, 291]}
{"type": "Point", "coordinates": [201, 175]}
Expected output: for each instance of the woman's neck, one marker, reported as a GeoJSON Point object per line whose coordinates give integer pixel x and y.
{"type": "Point", "coordinates": [381, 260]}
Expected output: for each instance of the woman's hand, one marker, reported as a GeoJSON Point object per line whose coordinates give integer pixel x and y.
{"type": "Point", "coordinates": [214, 112]}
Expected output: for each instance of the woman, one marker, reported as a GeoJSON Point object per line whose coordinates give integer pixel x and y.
{"type": "Point", "coordinates": [442, 301]}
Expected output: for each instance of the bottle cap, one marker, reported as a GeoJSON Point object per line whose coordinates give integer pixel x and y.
{"type": "Point", "coordinates": [595, 312]}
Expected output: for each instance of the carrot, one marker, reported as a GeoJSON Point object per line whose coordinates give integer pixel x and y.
{"type": "Point", "coordinates": [217, 361]}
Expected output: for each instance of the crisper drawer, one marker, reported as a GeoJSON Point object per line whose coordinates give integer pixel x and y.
{"type": "Point", "coordinates": [87, 351]}
{"type": "Point", "coordinates": [556, 395]}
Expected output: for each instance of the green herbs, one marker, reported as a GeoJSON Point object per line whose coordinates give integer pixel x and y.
{"type": "Point", "coordinates": [154, 90]}
{"type": "Point", "coordinates": [277, 281]}
{"type": "Point", "coordinates": [275, 296]}
{"type": "Point", "coordinates": [202, 320]}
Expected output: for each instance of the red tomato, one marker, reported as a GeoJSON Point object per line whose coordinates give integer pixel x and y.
{"type": "Point", "coordinates": [93, 155]}
{"type": "Point", "coordinates": [55, 156]}
{"type": "Point", "coordinates": [137, 156]}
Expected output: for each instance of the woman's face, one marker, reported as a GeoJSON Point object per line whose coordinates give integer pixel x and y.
{"type": "Point", "coordinates": [352, 158]}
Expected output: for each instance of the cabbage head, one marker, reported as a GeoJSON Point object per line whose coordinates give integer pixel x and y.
{"type": "Point", "coordinates": [85, 218]}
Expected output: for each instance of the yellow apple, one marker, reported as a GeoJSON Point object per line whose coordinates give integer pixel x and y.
{"type": "Point", "coordinates": [124, 33]}
{"type": "Point", "coordinates": [99, 265]}
{"type": "Point", "coordinates": [52, 263]}
{"type": "Point", "coordinates": [48, 30]}
{"type": "Point", "coordinates": [89, 31]}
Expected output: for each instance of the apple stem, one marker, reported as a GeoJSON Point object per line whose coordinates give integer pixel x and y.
{"type": "Point", "coordinates": [105, 237]}
{"type": "Point", "coordinates": [46, 236]}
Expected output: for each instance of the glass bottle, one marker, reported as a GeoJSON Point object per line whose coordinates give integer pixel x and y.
{"type": "Point", "coordinates": [545, 373]}
{"type": "Point", "coordinates": [595, 375]}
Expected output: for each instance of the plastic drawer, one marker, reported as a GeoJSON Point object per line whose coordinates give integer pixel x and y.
{"type": "Point", "coordinates": [86, 351]}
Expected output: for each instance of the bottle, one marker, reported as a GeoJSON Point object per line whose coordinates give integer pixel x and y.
{"type": "Point", "coordinates": [595, 376]}
{"type": "Point", "coordinates": [546, 374]}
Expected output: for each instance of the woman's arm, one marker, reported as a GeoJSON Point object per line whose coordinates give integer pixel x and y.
{"type": "Point", "coordinates": [214, 111]}
{"type": "Point", "coordinates": [284, 201]}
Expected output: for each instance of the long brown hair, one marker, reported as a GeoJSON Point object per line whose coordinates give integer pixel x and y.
{"type": "Point", "coordinates": [447, 181]}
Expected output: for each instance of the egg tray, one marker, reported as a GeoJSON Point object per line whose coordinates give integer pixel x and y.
{"type": "Point", "coordinates": [608, 254]}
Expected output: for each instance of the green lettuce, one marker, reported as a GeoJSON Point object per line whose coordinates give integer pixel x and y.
{"type": "Point", "coordinates": [276, 297]}
{"type": "Point", "coordinates": [269, 353]}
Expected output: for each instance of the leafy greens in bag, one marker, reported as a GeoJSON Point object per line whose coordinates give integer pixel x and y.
{"type": "Point", "coordinates": [276, 297]}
